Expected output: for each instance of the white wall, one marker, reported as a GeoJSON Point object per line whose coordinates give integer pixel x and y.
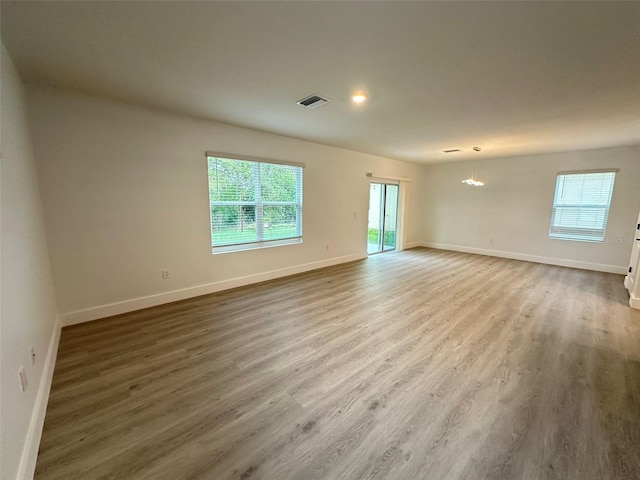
{"type": "Point", "coordinates": [125, 196]}
{"type": "Point", "coordinates": [27, 310]}
{"type": "Point", "coordinates": [510, 215]}
{"type": "Point", "coordinates": [124, 193]}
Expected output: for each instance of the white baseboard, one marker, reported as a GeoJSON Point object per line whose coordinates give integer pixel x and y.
{"type": "Point", "coordinates": [628, 283]}
{"type": "Point", "coordinates": [410, 245]}
{"type": "Point", "coordinates": [102, 311]}
{"type": "Point", "coordinates": [634, 301]}
{"type": "Point", "coordinates": [27, 466]}
{"type": "Point", "coordinates": [598, 267]}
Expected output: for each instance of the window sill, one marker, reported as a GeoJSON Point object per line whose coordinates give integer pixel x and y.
{"type": "Point", "coordinates": [577, 239]}
{"type": "Point", "coordinates": [255, 246]}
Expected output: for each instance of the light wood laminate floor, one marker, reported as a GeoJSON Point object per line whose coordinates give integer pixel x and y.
{"type": "Point", "coordinates": [421, 364]}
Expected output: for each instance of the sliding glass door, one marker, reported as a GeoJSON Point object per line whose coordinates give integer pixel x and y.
{"type": "Point", "coordinates": [383, 217]}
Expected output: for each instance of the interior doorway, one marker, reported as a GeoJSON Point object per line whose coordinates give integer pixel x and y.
{"type": "Point", "coordinates": [383, 217]}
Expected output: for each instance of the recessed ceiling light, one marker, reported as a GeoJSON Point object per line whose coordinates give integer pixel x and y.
{"type": "Point", "coordinates": [359, 97]}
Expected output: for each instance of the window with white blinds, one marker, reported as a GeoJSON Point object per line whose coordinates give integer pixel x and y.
{"type": "Point", "coordinates": [254, 203]}
{"type": "Point", "coordinates": [581, 205]}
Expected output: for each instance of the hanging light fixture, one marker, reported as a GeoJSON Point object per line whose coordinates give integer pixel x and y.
{"type": "Point", "coordinates": [472, 181]}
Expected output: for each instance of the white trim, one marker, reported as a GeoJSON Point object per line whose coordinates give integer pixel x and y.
{"type": "Point", "coordinates": [27, 466]}
{"type": "Point", "coordinates": [597, 170]}
{"type": "Point", "coordinates": [634, 302]}
{"type": "Point", "coordinates": [242, 247]}
{"type": "Point", "coordinates": [373, 176]}
{"type": "Point", "coordinates": [94, 313]}
{"type": "Point", "coordinates": [410, 245]}
{"type": "Point", "coordinates": [247, 158]}
{"type": "Point", "coordinates": [598, 267]}
{"type": "Point", "coordinates": [380, 180]}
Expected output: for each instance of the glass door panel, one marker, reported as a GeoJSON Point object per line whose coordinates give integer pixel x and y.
{"type": "Point", "coordinates": [390, 218]}
{"type": "Point", "coordinates": [383, 217]}
{"type": "Point", "coordinates": [376, 218]}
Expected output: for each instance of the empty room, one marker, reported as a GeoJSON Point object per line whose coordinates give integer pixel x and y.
{"type": "Point", "coordinates": [319, 240]}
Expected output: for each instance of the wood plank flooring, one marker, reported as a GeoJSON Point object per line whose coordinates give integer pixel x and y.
{"type": "Point", "coordinates": [421, 364]}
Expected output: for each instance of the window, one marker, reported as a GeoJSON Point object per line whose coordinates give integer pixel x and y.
{"type": "Point", "coordinates": [253, 203]}
{"type": "Point", "coordinates": [581, 205]}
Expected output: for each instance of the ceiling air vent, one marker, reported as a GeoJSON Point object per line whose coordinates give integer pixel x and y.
{"type": "Point", "coordinates": [453, 150]}
{"type": "Point", "coordinates": [313, 101]}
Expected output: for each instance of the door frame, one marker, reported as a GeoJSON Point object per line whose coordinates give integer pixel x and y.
{"type": "Point", "coordinates": [401, 214]}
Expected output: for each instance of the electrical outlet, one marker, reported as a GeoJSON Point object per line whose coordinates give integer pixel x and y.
{"type": "Point", "coordinates": [33, 356]}
{"type": "Point", "coordinates": [165, 274]}
{"type": "Point", "coordinates": [23, 378]}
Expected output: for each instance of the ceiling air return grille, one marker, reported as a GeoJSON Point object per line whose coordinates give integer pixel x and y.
{"type": "Point", "coordinates": [313, 101]}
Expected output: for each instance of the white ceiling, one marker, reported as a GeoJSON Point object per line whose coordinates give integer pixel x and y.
{"type": "Point", "coordinates": [514, 78]}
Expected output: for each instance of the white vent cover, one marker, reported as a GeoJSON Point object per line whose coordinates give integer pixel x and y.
{"type": "Point", "coordinates": [313, 101]}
